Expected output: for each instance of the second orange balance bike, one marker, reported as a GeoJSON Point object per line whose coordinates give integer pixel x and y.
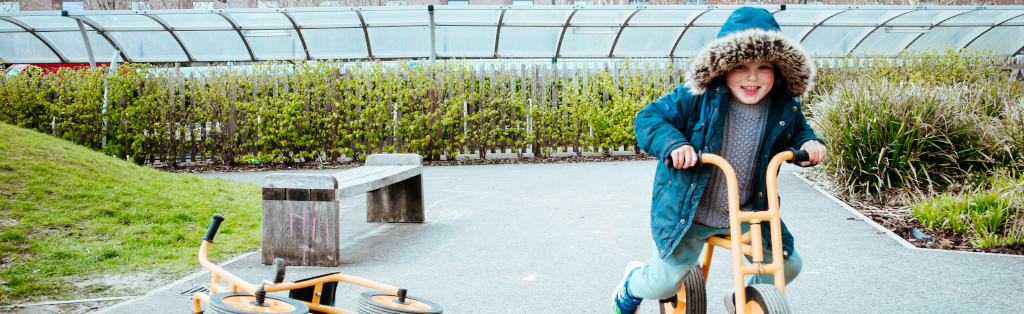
{"type": "Point", "coordinates": [310, 295]}
{"type": "Point", "coordinates": [753, 299]}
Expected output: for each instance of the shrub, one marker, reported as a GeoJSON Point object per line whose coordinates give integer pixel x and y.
{"type": "Point", "coordinates": [915, 136]}
{"type": "Point", "coordinates": [990, 214]}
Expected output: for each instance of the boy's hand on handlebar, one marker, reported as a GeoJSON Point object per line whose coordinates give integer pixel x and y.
{"type": "Point", "coordinates": [683, 157]}
{"type": "Point", "coordinates": [815, 150]}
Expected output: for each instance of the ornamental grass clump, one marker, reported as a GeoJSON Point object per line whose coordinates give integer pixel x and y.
{"type": "Point", "coordinates": [916, 137]}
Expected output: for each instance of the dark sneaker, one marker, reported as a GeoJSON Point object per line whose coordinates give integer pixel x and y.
{"type": "Point", "coordinates": [621, 300]}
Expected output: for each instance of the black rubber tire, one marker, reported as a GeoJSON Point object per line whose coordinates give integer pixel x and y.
{"type": "Point", "coordinates": [368, 306]}
{"type": "Point", "coordinates": [696, 293]}
{"type": "Point", "coordinates": [771, 300]}
{"type": "Point", "coordinates": [217, 305]}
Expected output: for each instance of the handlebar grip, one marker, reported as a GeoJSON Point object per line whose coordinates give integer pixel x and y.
{"type": "Point", "coordinates": [669, 163]}
{"type": "Point", "coordinates": [214, 225]}
{"type": "Point", "coordinates": [798, 155]}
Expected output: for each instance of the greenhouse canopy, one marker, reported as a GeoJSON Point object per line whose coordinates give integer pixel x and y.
{"type": "Point", "coordinates": [475, 32]}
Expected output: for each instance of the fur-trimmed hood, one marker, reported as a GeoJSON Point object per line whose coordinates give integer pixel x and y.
{"type": "Point", "coordinates": [752, 34]}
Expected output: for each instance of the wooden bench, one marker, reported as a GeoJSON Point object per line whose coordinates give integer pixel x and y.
{"type": "Point", "coordinates": [300, 211]}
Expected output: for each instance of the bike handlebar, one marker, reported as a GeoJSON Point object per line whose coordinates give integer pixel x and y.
{"type": "Point", "coordinates": [798, 156]}
{"type": "Point", "coordinates": [214, 225]}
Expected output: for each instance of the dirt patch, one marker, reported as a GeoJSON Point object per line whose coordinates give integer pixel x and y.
{"type": "Point", "coordinates": [120, 284]}
{"type": "Point", "coordinates": [67, 308]}
{"type": "Point", "coordinates": [207, 167]}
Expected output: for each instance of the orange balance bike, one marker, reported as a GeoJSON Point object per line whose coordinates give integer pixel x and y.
{"type": "Point", "coordinates": [753, 299]}
{"type": "Point", "coordinates": [310, 295]}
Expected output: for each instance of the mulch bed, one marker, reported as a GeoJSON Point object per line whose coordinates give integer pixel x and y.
{"type": "Point", "coordinates": [895, 219]}
{"type": "Point", "coordinates": [944, 239]}
{"type": "Point", "coordinates": [207, 167]}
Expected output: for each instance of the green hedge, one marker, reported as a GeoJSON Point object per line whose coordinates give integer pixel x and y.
{"type": "Point", "coordinates": [284, 112]}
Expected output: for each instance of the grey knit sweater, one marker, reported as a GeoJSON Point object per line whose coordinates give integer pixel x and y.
{"type": "Point", "coordinates": [744, 128]}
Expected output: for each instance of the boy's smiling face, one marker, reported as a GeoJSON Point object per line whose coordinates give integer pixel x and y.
{"type": "Point", "coordinates": [751, 81]}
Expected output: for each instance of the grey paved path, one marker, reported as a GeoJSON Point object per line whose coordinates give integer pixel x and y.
{"type": "Point", "coordinates": [555, 238]}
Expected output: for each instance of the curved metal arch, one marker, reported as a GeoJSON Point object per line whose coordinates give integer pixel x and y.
{"type": "Point", "coordinates": [497, 34]}
{"type": "Point", "coordinates": [298, 31]}
{"type": "Point", "coordinates": [816, 25]}
{"type": "Point", "coordinates": [110, 39]}
{"type": "Point", "coordinates": [239, 31]}
{"type": "Point", "coordinates": [32, 31]}
{"type": "Point", "coordinates": [188, 54]}
{"type": "Point", "coordinates": [987, 30]}
{"type": "Point", "coordinates": [621, 28]}
{"type": "Point", "coordinates": [366, 33]}
{"type": "Point", "coordinates": [862, 38]}
{"type": "Point", "coordinates": [931, 28]}
{"type": "Point", "coordinates": [672, 54]}
{"type": "Point", "coordinates": [558, 49]}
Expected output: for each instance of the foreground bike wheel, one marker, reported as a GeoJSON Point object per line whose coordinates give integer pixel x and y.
{"type": "Point", "coordinates": [692, 297]}
{"type": "Point", "coordinates": [766, 299]}
{"type": "Point", "coordinates": [376, 302]}
{"type": "Point", "coordinates": [241, 303]}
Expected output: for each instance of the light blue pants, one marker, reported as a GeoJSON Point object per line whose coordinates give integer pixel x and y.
{"type": "Point", "coordinates": [663, 278]}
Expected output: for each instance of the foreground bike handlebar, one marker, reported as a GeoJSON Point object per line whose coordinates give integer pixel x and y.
{"type": "Point", "coordinates": [798, 156]}
{"type": "Point", "coordinates": [214, 225]}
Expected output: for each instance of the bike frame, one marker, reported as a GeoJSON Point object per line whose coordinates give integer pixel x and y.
{"type": "Point", "coordinates": [236, 284]}
{"type": "Point", "coordinates": [738, 242]}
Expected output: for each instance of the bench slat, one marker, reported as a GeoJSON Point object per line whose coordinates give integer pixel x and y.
{"type": "Point", "coordinates": [366, 183]}
{"type": "Point", "coordinates": [359, 173]}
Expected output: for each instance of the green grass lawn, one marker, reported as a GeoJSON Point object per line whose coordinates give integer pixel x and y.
{"type": "Point", "coordinates": [68, 213]}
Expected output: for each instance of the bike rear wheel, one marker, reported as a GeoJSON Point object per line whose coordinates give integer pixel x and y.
{"type": "Point", "coordinates": [692, 297]}
{"type": "Point", "coordinates": [375, 302]}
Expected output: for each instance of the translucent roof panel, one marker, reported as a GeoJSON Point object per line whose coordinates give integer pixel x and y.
{"type": "Point", "coordinates": [50, 23]}
{"type": "Point", "coordinates": [694, 39]}
{"type": "Point", "coordinates": [600, 17]}
{"type": "Point", "coordinates": [6, 26]}
{"type": "Point", "coordinates": [535, 17]}
{"type": "Point", "coordinates": [644, 42]}
{"type": "Point", "coordinates": [924, 17]}
{"type": "Point", "coordinates": [261, 20]}
{"type": "Point", "coordinates": [465, 41]}
{"type": "Point", "coordinates": [795, 32]}
{"type": "Point", "coordinates": [400, 42]}
{"type": "Point", "coordinates": [713, 18]}
{"type": "Point", "coordinates": [326, 19]}
{"type": "Point", "coordinates": [195, 21]}
{"type": "Point", "coordinates": [885, 43]}
{"type": "Point", "coordinates": [1017, 21]}
{"type": "Point", "coordinates": [588, 41]}
{"type": "Point", "coordinates": [803, 17]}
{"type": "Point", "coordinates": [71, 45]}
{"type": "Point", "coordinates": [863, 17]}
{"type": "Point", "coordinates": [150, 46]}
{"type": "Point", "coordinates": [396, 18]}
{"type": "Point", "coordinates": [834, 40]}
{"type": "Point", "coordinates": [946, 37]}
{"type": "Point", "coordinates": [466, 17]}
{"type": "Point", "coordinates": [276, 45]}
{"type": "Point", "coordinates": [340, 43]}
{"type": "Point", "coordinates": [1002, 40]}
{"type": "Point", "coordinates": [25, 48]}
{"type": "Point", "coordinates": [528, 41]}
{"type": "Point", "coordinates": [214, 45]}
{"type": "Point", "coordinates": [664, 17]}
{"type": "Point", "coordinates": [981, 17]}
{"type": "Point", "coordinates": [126, 22]}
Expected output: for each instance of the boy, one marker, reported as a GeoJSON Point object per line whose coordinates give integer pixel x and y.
{"type": "Point", "coordinates": [738, 101]}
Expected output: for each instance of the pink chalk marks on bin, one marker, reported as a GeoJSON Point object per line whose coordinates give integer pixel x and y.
{"type": "Point", "coordinates": [305, 250]}
{"type": "Point", "coordinates": [305, 214]}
